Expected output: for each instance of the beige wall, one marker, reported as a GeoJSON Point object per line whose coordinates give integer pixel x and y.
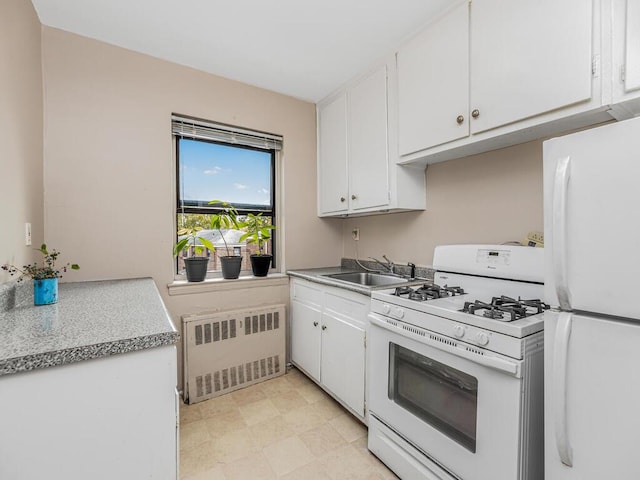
{"type": "Point", "coordinates": [20, 132]}
{"type": "Point", "coordinates": [109, 168]}
{"type": "Point", "coordinates": [493, 197]}
{"type": "Point", "coordinates": [108, 150]}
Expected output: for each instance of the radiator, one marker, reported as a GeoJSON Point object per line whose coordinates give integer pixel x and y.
{"type": "Point", "coordinates": [226, 351]}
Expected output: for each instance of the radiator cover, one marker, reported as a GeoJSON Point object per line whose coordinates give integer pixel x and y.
{"type": "Point", "coordinates": [226, 351]}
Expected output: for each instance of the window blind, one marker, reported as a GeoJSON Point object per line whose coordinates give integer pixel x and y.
{"type": "Point", "coordinates": [189, 128]}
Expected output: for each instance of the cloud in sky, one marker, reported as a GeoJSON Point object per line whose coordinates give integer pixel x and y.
{"type": "Point", "coordinates": [213, 171]}
{"type": "Point", "coordinates": [263, 190]}
{"type": "Point", "coordinates": [240, 186]}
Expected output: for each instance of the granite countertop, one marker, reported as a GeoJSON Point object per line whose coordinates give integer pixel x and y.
{"type": "Point", "coordinates": [90, 320]}
{"type": "Point", "coordinates": [318, 275]}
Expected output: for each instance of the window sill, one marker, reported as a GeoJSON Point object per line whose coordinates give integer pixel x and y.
{"type": "Point", "coordinates": [182, 287]}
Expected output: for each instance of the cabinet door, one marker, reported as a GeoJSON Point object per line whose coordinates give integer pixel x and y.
{"type": "Point", "coordinates": [368, 151]}
{"type": "Point", "coordinates": [528, 58]}
{"type": "Point", "coordinates": [433, 84]}
{"type": "Point", "coordinates": [68, 421]}
{"type": "Point", "coordinates": [632, 46]}
{"type": "Point", "coordinates": [332, 156]}
{"type": "Point", "coordinates": [305, 338]}
{"type": "Point", "coordinates": [343, 357]}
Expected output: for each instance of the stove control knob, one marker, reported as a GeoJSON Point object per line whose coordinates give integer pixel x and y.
{"type": "Point", "coordinates": [458, 331]}
{"type": "Point", "coordinates": [398, 313]}
{"type": "Point", "coordinates": [385, 308]}
{"type": "Point", "coordinates": [482, 338]}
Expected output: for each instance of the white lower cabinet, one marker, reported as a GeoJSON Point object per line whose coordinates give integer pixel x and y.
{"type": "Point", "coordinates": [305, 337]}
{"type": "Point", "coordinates": [328, 340]}
{"type": "Point", "coordinates": [113, 417]}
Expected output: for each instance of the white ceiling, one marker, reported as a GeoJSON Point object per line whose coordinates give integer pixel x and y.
{"type": "Point", "coordinates": [302, 48]}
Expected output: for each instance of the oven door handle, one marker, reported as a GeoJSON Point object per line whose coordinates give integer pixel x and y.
{"type": "Point", "coordinates": [502, 365]}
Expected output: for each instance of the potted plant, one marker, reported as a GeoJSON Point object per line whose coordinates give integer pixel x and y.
{"type": "Point", "coordinates": [227, 219]}
{"type": "Point", "coordinates": [258, 231]}
{"type": "Point", "coordinates": [195, 266]}
{"type": "Point", "coordinates": [45, 277]}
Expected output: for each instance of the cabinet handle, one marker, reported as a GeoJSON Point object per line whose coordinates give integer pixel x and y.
{"type": "Point", "coordinates": [460, 119]}
{"type": "Point", "coordinates": [353, 197]}
{"type": "Point", "coordinates": [315, 324]}
{"type": "Point", "coordinates": [342, 199]}
{"type": "Point", "coordinates": [324, 327]}
{"type": "Point", "coordinates": [475, 113]}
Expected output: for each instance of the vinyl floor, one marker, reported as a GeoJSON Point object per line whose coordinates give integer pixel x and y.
{"type": "Point", "coordinates": [285, 428]}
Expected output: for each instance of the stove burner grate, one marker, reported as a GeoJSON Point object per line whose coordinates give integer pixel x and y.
{"type": "Point", "coordinates": [402, 291]}
{"type": "Point", "coordinates": [453, 291]}
{"type": "Point", "coordinates": [503, 305]}
{"type": "Point", "coordinates": [427, 292]}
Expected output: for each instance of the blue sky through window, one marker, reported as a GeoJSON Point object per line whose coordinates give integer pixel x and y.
{"type": "Point", "coordinates": [209, 171]}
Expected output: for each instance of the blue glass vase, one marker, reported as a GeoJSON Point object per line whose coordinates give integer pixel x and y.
{"type": "Point", "coordinates": [45, 292]}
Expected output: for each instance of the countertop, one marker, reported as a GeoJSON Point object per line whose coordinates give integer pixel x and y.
{"type": "Point", "coordinates": [90, 320]}
{"type": "Point", "coordinates": [317, 275]}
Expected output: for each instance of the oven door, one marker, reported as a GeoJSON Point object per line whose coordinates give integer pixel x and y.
{"type": "Point", "coordinates": [461, 408]}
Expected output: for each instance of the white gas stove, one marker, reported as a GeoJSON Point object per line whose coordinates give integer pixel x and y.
{"type": "Point", "coordinates": [456, 367]}
{"type": "Point", "coordinates": [468, 304]}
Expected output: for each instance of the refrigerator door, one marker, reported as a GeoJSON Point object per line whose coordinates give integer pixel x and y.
{"type": "Point", "coordinates": [592, 220]}
{"type": "Point", "coordinates": [592, 397]}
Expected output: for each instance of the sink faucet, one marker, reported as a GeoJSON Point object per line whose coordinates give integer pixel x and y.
{"type": "Point", "coordinates": [390, 266]}
{"type": "Point", "coordinates": [412, 267]}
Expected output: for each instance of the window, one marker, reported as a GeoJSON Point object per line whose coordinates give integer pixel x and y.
{"type": "Point", "coordinates": [221, 163]}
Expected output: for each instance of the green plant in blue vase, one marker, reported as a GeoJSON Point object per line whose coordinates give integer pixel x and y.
{"type": "Point", "coordinates": [45, 276]}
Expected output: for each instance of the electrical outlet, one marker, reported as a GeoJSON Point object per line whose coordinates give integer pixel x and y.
{"type": "Point", "coordinates": [355, 234]}
{"type": "Point", "coordinates": [27, 234]}
{"type": "Point", "coordinates": [534, 239]}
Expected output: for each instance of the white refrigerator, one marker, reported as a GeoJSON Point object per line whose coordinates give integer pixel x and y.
{"type": "Point", "coordinates": [592, 282]}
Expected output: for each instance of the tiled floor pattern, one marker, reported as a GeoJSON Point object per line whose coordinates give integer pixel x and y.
{"type": "Point", "coordinates": [285, 428]}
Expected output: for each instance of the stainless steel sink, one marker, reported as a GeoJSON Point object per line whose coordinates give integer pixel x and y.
{"type": "Point", "coordinates": [368, 279]}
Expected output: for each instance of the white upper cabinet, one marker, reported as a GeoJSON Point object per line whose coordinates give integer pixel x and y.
{"type": "Point", "coordinates": [484, 75]}
{"type": "Point", "coordinates": [626, 52]}
{"type": "Point", "coordinates": [493, 73]}
{"type": "Point", "coordinates": [528, 58]}
{"type": "Point", "coordinates": [632, 46]}
{"type": "Point", "coordinates": [368, 149]}
{"type": "Point", "coordinates": [433, 84]}
{"type": "Point", "coordinates": [357, 151]}
{"type": "Point", "coordinates": [332, 149]}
